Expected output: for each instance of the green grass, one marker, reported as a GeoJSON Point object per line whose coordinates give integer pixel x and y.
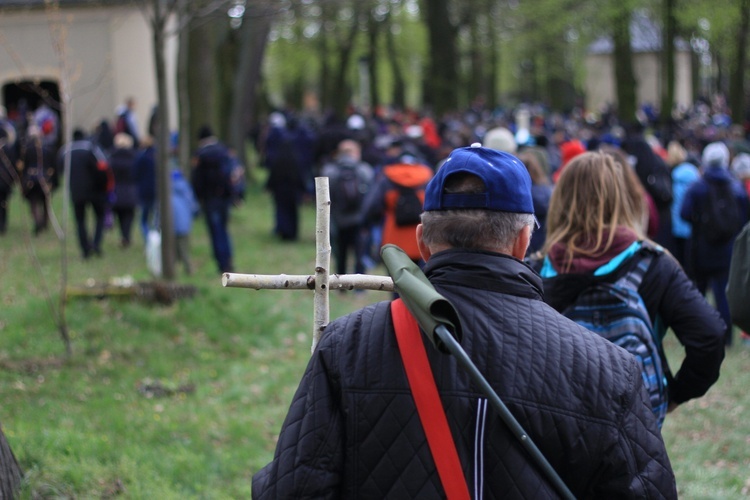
{"type": "Point", "coordinates": [84, 428]}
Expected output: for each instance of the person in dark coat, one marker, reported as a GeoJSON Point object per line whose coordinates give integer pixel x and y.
{"type": "Point", "coordinates": [352, 430]}
{"type": "Point", "coordinates": [289, 160]}
{"type": "Point", "coordinates": [39, 177]}
{"type": "Point", "coordinates": [91, 181]}
{"type": "Point", "coordinates": [348, 230]}
{"type": "Point", "coordinates": [122, 162]}
{"type": "Point", "coordinates": [656, 178]}
{"type": "Point", "coordinates": [8, 173]}
{"type": "Point", "coordinates": [104, 137]}
{"type": "Point", "coordinates": [212, 186]}
{"type": "Point", "coordinates": [594, 235]}
{"type": "Point", "coordinates": [708, 260]}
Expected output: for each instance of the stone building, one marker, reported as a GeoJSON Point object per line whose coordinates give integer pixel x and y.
{"type": "Point", "coordinates": [104, 48]}
{"type": "Point", "coordinates": [646, 47]}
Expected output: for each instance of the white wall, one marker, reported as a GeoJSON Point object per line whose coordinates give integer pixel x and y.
{"type": "Point", "coordinates": [106, 51]}
{"type": "Point", "coordinates": [600, 80]}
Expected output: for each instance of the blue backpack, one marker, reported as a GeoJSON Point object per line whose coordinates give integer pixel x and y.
{"type": "Point", "coordinates": [616, 312]}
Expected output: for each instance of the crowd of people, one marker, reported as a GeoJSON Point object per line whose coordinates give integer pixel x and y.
{"type": "Point", "coordinates": [539, 232]}
{"type": "Point", "coordinates": [391, 154]}
{"type": "Point", "coordinates": [521, 212]}
{"type": "Point", "coordinates": [113, 181]}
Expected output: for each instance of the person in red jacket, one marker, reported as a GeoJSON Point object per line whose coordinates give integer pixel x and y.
{"type": "Point", "coordinates": [386, 202]}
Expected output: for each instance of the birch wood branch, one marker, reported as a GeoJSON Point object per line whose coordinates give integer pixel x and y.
{"type": "Point", "coordinates": [322, 258]}
{"type": "Point", "coordinates": [307, 282]}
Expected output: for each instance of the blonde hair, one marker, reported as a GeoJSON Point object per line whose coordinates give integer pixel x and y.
{"type": "Point", "coordinates": [592, 198]}
{"type": "Point", "coordinates": [676, 154]}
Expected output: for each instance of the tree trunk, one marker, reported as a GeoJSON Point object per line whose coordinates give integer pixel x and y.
{"type": "Point", "coordinates": [226, 56]}
{"type": "Point", "coordinates": [341, 89]}
{"type": "Point", "coordinates": [399, 86]}
{"type": "Point", "coordinates": [442, 74]}
{"type": "Point", "coordinates": [696, 76]}
{"type": "Point", "coordinates": [164, 175]}
{"type": "Point", "coordinates": [475, 85]}
{"type": "Point", "coordinates": [668, 56]}
{"type": "Point", "coordinates": [201, 75]}
{"type": "Point", "coordinates": [373, 34]}
{"type": "Point", "coordinates": [737, 83]}
{"type": "Point", "coordinates": [325, 69]}
{"type": "Point", "coordinates": [10, 471]}
{"type": "Point", "coordinates": [253, 42]}
{"type": "Point", "coordinates": [183, 92]}
{"type": "Point", "coordinates": [623, 64]}
{"type": "Point", "coordinates": [720, 83]}
{"type": "Point", "coordinates": [494, 62]}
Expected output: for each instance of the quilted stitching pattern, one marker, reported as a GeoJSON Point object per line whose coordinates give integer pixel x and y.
{"type": "Point", "coordinates": [352, 430]}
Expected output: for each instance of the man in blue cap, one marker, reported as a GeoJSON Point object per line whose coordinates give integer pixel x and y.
{"type": "Point", "coordinates": [353, 430]}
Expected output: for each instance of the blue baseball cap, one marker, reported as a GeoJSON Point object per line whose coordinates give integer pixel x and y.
{"type": "Point", "coordinates": [506, 178]}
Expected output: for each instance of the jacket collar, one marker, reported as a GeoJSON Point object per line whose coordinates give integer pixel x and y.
{"type": "Point", "coordinates": [717, 174]}
{"type": "Point", "coordinates": [484, 270]}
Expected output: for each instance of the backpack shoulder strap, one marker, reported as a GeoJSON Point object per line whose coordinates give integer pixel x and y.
{"type": "Point", "coordinates": [633, 278]}
{"type": "Point", "coordinates": [429, 407]}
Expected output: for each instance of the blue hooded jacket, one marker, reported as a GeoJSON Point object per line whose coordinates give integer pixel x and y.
{"type": "Point", "coordinates": [683, 176]}
{"type": "Point", "coordinates": [184, 206]}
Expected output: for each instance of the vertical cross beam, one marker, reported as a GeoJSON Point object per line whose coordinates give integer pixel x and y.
{"type": "Point", "coordinates": [322, 282]}
{"type": "Point", "coordinates": [322, 257]}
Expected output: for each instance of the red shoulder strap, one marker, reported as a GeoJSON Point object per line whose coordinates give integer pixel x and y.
{"type": "Point", "coordinates": [427, 400]}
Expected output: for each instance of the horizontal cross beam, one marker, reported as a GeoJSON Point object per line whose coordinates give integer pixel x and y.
{"type": "Point", "coordinates": [307, 282]}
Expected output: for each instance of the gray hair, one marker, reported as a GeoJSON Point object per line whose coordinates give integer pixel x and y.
{"type": "Point", "coordinates": [474, 229]}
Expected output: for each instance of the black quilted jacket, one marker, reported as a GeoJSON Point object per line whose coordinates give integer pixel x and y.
{"type": "Point", "coordinates": [353, 432]}
{"type": "Point", "coordinates": [674, 302]}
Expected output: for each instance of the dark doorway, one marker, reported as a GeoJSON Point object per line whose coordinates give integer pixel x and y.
{"type": "Point", "coordinates": [25, 96]}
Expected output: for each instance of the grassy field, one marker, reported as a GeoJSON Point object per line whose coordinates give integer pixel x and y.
{"type": "Point", "coordinates": [184, 401]}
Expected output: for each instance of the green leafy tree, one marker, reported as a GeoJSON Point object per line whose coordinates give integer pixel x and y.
{"type": "Point", "coordinates": [550, 38]}
{"type": "Point", "coordinates": [625, 81]}
{"type": "Point", "coordinates": [726, 26]}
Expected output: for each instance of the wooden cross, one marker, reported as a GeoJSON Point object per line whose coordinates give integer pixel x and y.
{"type": "Point", "coordinates": [322, 281]}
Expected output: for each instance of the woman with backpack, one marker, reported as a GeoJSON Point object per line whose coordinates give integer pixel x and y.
{"type": "Point", "coordinates": [594, 238]}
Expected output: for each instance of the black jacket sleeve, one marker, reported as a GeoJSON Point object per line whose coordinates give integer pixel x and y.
{"type": "Point", "coordinates": [308, 462]}
{"type": "Point", "coordinates": [674, 300]}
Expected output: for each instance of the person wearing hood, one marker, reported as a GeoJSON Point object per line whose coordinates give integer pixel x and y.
{"type": "Point", "coordinates": [709, 251]}
{"type": "Point", "coordinates": [656, 177]}
{"type": "Point", "coordinates": [684, 174]}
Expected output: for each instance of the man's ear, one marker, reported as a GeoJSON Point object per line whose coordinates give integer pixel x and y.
{"type": "Point", "coordinates": [424, 250]}
{"type": "Point", "coordinates": [521, 244]}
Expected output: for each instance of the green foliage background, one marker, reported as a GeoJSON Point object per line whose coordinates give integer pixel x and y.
{"type": "Point", "coordinates": [86, 428]}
